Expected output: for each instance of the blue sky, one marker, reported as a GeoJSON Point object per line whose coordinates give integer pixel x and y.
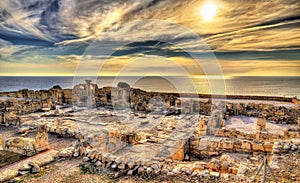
{"type": "Point", "coordinates": [56, 37]}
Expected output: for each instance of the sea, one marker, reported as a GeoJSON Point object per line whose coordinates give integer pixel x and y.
{"type": "Point", "coordinates": [254, 85]}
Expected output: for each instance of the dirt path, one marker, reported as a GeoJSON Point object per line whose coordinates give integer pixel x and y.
{"type": "Point", "coordinates": [57, 172]}
{"type": "Point", "coordinates": [46, 156]}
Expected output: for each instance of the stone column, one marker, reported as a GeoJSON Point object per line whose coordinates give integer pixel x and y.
{"type": "Point", "coordinates": [261, 123]}
{"type": "Point", "coordinates": [89, 102]}
{"type": "Point", "coordinates": [41, 138]}
{"type": "Point", "coordinates": [202, 127]}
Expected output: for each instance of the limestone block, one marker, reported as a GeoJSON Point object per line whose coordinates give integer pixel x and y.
{"type": "Point", "coordinates": [41, 138]}
{"type": "Point", "coordinates": [214, 165]}
{"type": "Point", "coordinates": [227, 144]}
{"type": "Point", "coordinates": [202, 127]}
{"type": "Point", "coordinates": [8, 175]}
{"type": "Point", "coordinates": [257, 146]}
{"type": "Point", "coordinates": [246, 146]}
{"type": "Point", "coordinates": [268, 147]}
{"type": "Point", "coordinates": [261, 123]}
{"type": "Point", "coordinates": [178, 155]}
{"type": "Point", "coordinates": [20, 145]}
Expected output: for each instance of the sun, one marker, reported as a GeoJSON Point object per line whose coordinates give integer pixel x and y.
{"type": "Point", "coordinates": [208, 11]}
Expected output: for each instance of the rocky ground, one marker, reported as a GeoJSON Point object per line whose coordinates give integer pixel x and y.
{"type": "Point", "coordinates": [68, 171]}
{"type": "Point", "coordinates": [286, 165]}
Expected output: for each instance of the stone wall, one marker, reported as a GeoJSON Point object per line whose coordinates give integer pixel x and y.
{"type": "Point", "coordinates": [28, 146]}
{"type": "Point", "coordinates": [10, 108]}
{"type": "Point", "coordinates": [141, 100]}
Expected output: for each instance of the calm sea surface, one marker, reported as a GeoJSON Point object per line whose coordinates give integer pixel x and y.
{"type": "Point", "coordinates": [267, 86]}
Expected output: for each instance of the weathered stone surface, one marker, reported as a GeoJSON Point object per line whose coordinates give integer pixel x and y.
{"type": "Point", "coordinates": [25, 167]}
{"type": "Point", "coordinates": [261, 123]}
{"type": "Point", "coordinates": [20, 145]}
{"type": "Point", "coordinates": [8, 174]}
{"type": "Point", "coordinates": [214, 165]}
{"type": "Point", "coordinates": [41, 138]}
{"type": "Point", "coordinates": [242, 170]}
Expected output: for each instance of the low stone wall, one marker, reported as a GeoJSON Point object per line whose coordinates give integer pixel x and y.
{"type": "Point", "coordinates": [141, 100]}
{"type": "Point", "coordinates": [28, 146]}
{"type": "Point", "coordinates": [10, 108]}
{"type": "Point", "coordinates": [286, 146]}
{"type": "Point", "coordinates": [20, 145]}
{"type": "Point", "coordinates": [210, 146]}
{"type": "Point", "coordinates": [263, 135]}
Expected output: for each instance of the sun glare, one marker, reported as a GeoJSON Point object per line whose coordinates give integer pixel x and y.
{"type": "Point", "coordinates": [208, 11]}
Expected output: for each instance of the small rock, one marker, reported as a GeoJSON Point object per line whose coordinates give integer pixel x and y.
{"type": "Point", "coordinates": [157, 172]}
{"type": "Point", "coordinates": [131, 164]}
{"type": "Point", "coordinates": [23, 130]}
{"type": "Point", "coordinates": [108, 164]}
{"type": "Point", "coordinates": [121, 166]}
{"type": "Point", "coordinates": [23, 172]}
{"type": "Point", "coordinates": [98, 163]}
{"type": "Point", "coordinates": [117, 175]}
{"type": "Point", "coordinates": [188, 171]}
{"type": "Point", "coordinates": [85, 159]}
{"type": "Point", "coordinates": [35, 167]}
{"type": "Point", "coordinates": [149, 170]}
{"type": "Point", "coordinates": [25, 167]}
{"type": "Point", "coordinates": [205, 173]}
{"type": "Point", "coordinates": [186, 157]}
{"type": "Point", "coordinates": [214, 174]}
{"type": "Point", "coordinates": [170, 174]}
{"type": "Point", "coordinates": [242, 170]}
{"type": "Point", "coordinates": [118, 160]}
{"type": "Point", "coordinates": [130, 172]}
{"type": "Point", "coordinates": [140, 170]}
{"type": "Point", "coordinates": [144, 122]}
{"type": "Point", "coordinates": [225, 176]}
{"type": "Point", "coordinates": [113, 166]}
{"type": "Point", "coordinates": [276, 150]}
{"type": "Point", "coordinates": [195, 174]}
{"type": "Point", "coordinates": [164, 171]}
{"type": "Point", "coordinates": [154, 166]}
{"type": "Point", "coordinates": [286, 147]}
{"type": "Point", "coordinates": [76, 154]}
{"type": "Point", "coordinates": [176, 170]}
{"type": "Point", "coordinates": [294, 147]}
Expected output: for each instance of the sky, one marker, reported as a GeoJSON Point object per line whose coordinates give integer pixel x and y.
{"type": "Point", "coordinates": [149, 37]}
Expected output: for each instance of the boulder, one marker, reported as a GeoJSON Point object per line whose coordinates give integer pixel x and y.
{"type": "Point", "coordinates": [242, 170]}
{"type": "Point", "coordinates": [21, 145]}
{"type": "Point", "coordinates": [25, 167]}
{"type": "Point", "coordinates": [214, 165]}
{"type": "Point", "coordinates": [8, 175]}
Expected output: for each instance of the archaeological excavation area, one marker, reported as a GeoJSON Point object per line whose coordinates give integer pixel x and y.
{"type": "Point", "coordinates": [126, 133]}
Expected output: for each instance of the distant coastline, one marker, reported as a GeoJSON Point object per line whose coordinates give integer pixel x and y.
{"type": "Point", "coordinates": [272, 86]}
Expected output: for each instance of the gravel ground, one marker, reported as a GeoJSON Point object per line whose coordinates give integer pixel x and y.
{"type": "Point", "coordinates": [248, 124]}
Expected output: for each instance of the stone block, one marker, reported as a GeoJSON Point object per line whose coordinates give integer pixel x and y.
{"type": "Point", "coordinates": [20, 145]}
{"type": "Point", "coordinates": [41, 138]}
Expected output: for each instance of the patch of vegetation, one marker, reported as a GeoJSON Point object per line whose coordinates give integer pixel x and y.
{"type": "Point", "coordinates": [35, 176]}
{"type": "Point", "coordinates": [84, 168]}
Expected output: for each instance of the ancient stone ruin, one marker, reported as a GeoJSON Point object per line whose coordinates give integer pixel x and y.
{"type": "Point", "coordinates": [128, 131]}
{"type": "Point", "coordinates": [28, 146]}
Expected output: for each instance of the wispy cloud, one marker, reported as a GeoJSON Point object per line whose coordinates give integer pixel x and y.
{"type": "Point", "coordinates": [46, 31]}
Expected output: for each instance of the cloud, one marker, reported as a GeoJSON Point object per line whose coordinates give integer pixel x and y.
{"type": "Point", "coordinates": [259, 68]}
{"type": "Point", "coordinates": [66, 31]}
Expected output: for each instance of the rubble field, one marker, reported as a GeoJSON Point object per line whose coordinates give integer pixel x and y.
{"type": "Point", "coordinates": [122, 134]}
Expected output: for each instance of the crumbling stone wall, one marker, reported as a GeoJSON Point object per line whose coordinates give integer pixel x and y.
{"type": "Point", "coordinates": [140, 100]}
{"type": "Point", "coordinates": [10, 108]}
